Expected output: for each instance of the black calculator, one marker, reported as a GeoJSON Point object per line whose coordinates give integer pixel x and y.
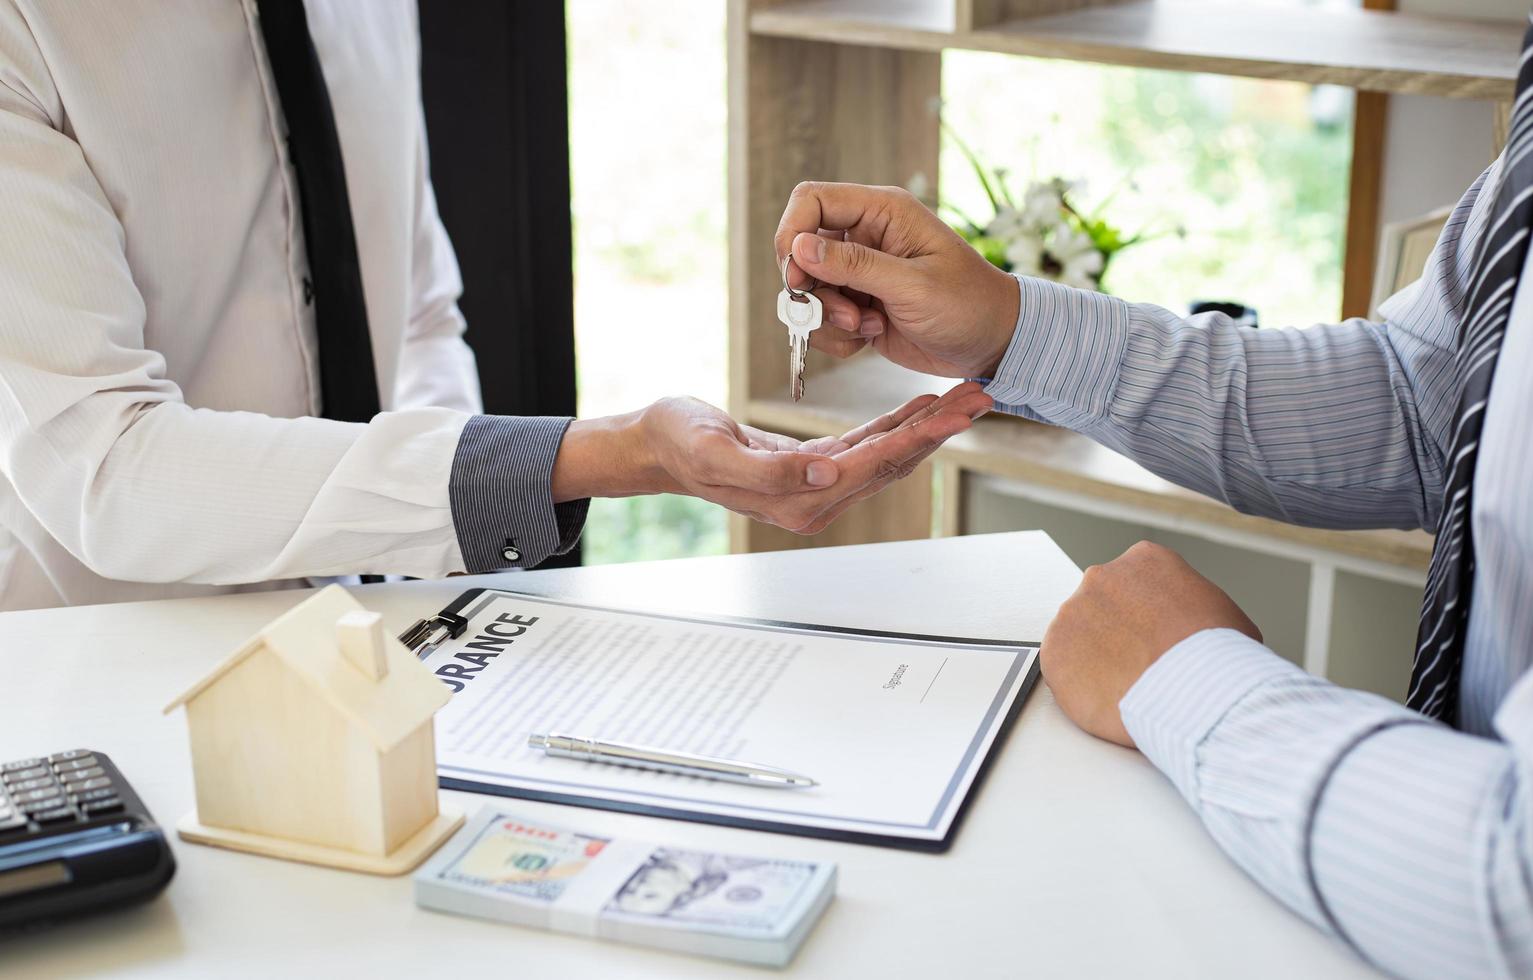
{"type": "Point", "coordinates": [74, 838]}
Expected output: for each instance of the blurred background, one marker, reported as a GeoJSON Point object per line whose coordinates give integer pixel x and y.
{"type": "Point", "coordinates": [1254, 171]}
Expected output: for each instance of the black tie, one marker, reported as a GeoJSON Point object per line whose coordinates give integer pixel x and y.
{"type": "Point", "coordinates": [1450, 579]}
{"type": "Point", "coordinates": [348, 385]}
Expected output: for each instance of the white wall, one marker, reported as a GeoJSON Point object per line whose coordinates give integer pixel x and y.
{"type": "Point", "coordinates": [1434, 148]}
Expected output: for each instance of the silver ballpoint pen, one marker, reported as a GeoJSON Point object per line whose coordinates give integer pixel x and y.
{"type": "Point", "coordinates": [664, 760]}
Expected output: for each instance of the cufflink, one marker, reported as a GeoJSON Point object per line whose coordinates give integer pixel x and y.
{"type": "Point", "coordinates": [509, 552]}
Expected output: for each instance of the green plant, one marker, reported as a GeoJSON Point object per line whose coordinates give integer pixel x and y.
{"type": "Point", "coordinates": [1048, 235]}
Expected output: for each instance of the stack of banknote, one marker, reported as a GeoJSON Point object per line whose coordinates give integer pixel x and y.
{"type": "Point", "coordinates": [510, 867]}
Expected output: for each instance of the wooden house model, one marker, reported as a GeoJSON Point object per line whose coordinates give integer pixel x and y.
{"type": "Point", "coordinates": [314, 742]}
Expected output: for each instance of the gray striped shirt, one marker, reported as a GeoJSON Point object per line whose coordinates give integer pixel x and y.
{"type": "Point", "coordinates": [500, 491]}
{"type": "Point", "coordinates": [1407, 840]}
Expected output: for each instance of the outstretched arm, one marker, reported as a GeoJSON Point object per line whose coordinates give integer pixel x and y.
{"type": "Point", "coordinates": [1341, 425]}
{"type": "Point", "coordinates": [1328, 426]}
{"type": "Point", "coordinates": [101, 453]}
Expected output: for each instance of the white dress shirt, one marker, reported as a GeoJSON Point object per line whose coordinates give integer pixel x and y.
{"type": "Point", "coordinates": [158, 371]}
{"type": "Point", "coordinates": [1407, 840]}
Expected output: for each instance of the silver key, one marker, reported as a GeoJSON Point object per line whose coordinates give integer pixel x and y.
{"type": "Point", "coordinates": [802, 313]}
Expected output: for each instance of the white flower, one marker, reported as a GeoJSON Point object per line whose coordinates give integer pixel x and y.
{"type": "Point", "coordinates": [1079, 259]}
{"type": "Point", "coordinates": [1041, 204]}
{"type": "Point", "coordinates": [1007, 224]}
{"type": "Point", "coordinates": [1025, 253]}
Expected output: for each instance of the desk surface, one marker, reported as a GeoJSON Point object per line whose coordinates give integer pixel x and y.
{"type": "Point", "coordinates": [1076, 859]}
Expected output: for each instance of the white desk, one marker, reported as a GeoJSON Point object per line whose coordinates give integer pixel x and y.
{"type": "Point", "coordinates": [1076, 860]}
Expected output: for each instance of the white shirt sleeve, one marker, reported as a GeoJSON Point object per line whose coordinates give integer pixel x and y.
{"type": "Point", "coordinates": [104, 453]}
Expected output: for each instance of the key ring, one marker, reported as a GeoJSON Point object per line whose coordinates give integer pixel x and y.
{"type": "Point", "coordinates": [796, 295]}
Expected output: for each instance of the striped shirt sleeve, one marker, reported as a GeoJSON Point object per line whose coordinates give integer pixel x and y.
{"type": "Point", "coordinates": [501, 493]}
{"type": "Point", "coordinates": [1340, 425]}
{"type": "Point", "coordinates": [1408, 841]}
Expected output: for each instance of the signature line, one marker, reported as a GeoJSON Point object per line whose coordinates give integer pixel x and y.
{"type": "Point", "coordinates": [934, 680]}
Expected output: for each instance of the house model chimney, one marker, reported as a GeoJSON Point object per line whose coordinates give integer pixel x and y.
{"type": "Point", "coordinates": [359, 634]}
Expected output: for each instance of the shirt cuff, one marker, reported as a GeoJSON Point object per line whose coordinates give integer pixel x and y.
{"type": "Point", "coordinates": [1184, 695]}
{"type": "Point", "coordinates": [1062, 363]}
{"type": "Point", "coordinates": [501, 493]}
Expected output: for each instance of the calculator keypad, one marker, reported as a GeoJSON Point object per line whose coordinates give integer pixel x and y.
{"type": "Point", "coordinates": [39, 799]}
{"type": "Point", "coordinates": [73, 811]}
{"type": "Point", "coordinates": [64, 788]}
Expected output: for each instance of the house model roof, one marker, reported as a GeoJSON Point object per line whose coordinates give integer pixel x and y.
{"type": "Point", "coordinates": [304, 638]}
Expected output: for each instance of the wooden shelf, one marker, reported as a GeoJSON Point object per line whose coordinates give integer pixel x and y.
{"type": "Point", "coordinates": [866, 386]}
{"type": "Point", "coordinates": [1364, 49]}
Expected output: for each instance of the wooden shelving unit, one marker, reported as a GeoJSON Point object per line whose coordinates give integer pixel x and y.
{"type": "Point", "coordinates": [1375, 50]}
{"type": "Point", "coordinates": [840, 89]}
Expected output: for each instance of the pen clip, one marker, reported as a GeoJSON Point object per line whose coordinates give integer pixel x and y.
{"type": "Point", "coordinates": [427, 634]}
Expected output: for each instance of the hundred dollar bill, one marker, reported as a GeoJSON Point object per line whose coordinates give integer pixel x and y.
{"type": "Point", "coordinates": [509, 857]}
{"type": "Point", "coordinates": [504, 866]}
{"type": "Point", "coordinates": [696, 889]}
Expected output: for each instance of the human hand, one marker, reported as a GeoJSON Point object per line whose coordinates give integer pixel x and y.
{"type": "Point", "coordinates": [683, 445]}
{"type": "Point", "coordinates": [1121, 619]}
{"type": "Point", "coordinates": [893, 275]}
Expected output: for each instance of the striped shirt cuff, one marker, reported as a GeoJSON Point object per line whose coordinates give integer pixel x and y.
{"type": "Point", "coordinates": [1184, 695]}
{"type": "Point", "coordinates": [1062, 363]}
{"type": "Point", "coordinates": [501, 493]}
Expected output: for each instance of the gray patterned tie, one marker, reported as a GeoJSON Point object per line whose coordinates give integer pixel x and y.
{"type": "Point", "coordinates": [1445, 607]}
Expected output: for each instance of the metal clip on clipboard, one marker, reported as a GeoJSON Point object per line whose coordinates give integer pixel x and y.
{"type": "Point", "coordinates": [427, 634]}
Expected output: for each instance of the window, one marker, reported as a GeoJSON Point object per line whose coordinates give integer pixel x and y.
{"type": "Point", "coordinates": [647, 172]}
{"type": "Point", "coordinates": [1255, 171]}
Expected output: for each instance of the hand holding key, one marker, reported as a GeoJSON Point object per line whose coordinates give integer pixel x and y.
{"type": "Point", "coordinates": [890, 273]}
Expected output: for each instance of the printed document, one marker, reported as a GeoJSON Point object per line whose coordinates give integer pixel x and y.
{"type": "Point", "coordinates": [894, 728]}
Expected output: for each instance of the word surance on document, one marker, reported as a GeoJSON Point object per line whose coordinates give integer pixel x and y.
{"type": "Point", "coordinates": [523, 871]}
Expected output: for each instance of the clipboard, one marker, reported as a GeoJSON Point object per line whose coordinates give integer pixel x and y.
{"type": "Point", "coordinates": [456, 631]}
